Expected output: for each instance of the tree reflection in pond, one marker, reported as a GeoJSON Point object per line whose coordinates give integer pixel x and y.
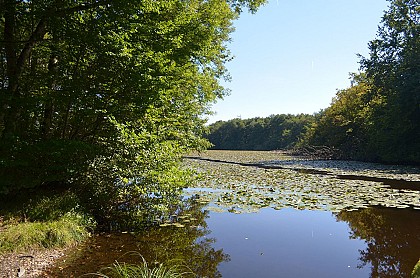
{"type": "Point", "coordinates": [180, 240]}
{"type": "Point", "coordinates": [392, 237]}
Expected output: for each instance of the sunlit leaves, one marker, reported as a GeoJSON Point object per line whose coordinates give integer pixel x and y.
{"type": "Point", "coordinates": [128, 81]}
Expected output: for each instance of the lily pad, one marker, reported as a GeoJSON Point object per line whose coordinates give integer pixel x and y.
{"type": "Point", "coordinates": [234, 183]}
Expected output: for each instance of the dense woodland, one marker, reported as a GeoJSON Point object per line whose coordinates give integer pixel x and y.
{"type": "Point", "coordinates": [376, 119]}
{"type": "Point", "coordinates": [271, 133]}
{"type": "Point", "coordinates": [105, 96]}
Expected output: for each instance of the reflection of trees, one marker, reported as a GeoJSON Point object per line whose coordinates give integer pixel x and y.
{"type": "Point", "coordinates": [188, 245]}
{"type": "Point", "coordinates": [183, 246]}
{"type": "Point", "coordinates": [392, 237]}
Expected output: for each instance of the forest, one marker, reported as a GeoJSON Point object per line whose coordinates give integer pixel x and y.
{"type": "Point", "coordinates": [376, 119]}
{"type": "Point", "coordinates": [271, 133]}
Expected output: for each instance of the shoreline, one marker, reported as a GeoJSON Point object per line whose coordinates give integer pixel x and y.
{"type": "Point", "coordinates": [31, 264]}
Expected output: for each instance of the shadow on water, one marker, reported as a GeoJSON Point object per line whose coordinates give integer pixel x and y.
{"type": "Point", "coordinates": [181, 245]}
{"type": "Point", "coordinates": [392, 237]}
{"type": "Point", "coordinates": [393, 183]}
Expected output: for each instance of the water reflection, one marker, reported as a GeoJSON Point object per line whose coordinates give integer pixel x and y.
{"type": "Point", "coordinates": [189, 245]}
{"type": "Point", "coordinates": [286, 243]}
{"type": "Point", "coordinates": [392, 237]}
{"type": "Point", "coordinates": [373, 242]}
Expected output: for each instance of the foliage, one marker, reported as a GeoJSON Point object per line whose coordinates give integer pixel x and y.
{"type": "Point", "coordinates": [343, 124]}
{"type": "Point", "coordinates": [416, 270]}
{"type": "Point", "coordinates": [105, 96]}
{"type": "Point", "coordinates": [377, 118]}
{"type": "Point", "coordinates": [394, 69]}
{"type": "Point", "coordinates": [138, 183]}
{"type": "Point", "coordinates": [271, 133]}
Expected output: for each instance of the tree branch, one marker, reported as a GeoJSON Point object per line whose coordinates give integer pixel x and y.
{"type": "Point", "coordinates": [40, 30]}
{"type": "Point", "coordinates": [36, 36]}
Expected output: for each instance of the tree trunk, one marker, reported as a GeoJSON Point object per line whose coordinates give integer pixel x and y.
{"type": "Point", "coordinates": [49, 104]}
{"type": "Point", "coordinates": [10, 108]}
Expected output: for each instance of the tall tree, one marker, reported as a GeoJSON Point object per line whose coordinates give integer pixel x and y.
{"type": "Point", "coordinates": [108, 93]}
{"type": "Point", "coordinates": [378, 117]}
{"type": "Point", "coordinates": [342, 126]}
{"type": "Point", "coordinates": [394, 67]}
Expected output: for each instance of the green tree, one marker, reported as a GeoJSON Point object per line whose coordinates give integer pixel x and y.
{"type": "Point", "coordinates": [394, 68]}
{"type": "Point", "coordinates": [342, 126]}
{"type": "Point", "coordinates": [377, 118]}
{"type": "Point", "coordinates": [108, 93]}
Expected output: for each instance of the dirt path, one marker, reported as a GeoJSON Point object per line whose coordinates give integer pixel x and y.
{"type": "Point", "coordinates": [28, 264]}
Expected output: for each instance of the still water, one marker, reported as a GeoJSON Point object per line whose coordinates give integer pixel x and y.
{"type": "Point", "coordinates": [371, 242]}
{"type": "Point", "coordinates": [286, 243]}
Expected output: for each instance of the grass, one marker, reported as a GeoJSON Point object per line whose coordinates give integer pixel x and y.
{"type": "Point", "coordinates": [143, 270]}
{"type": "Point", "coordinates": [66, 231]}
{"type": "Point", "coordinates": [43, 222]}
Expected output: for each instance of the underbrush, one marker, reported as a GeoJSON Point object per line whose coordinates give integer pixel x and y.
{"type": "Point", "coordinates": [43, 222]}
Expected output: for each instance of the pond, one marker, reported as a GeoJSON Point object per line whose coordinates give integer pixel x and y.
{"type": "Point", "coordinates": [265, 214]}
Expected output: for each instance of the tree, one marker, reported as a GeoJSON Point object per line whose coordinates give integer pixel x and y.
{"type": "Point", "coordinates": [394, 68]}
{"type": "Point", "coordinates": [377, 119]}
{"type": "Point", "coordinates": [342, 126]}
{"type": "Point", "coordinates": [108, 93]}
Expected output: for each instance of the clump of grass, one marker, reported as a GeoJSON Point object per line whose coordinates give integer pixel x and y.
{"type": "Point", "coordinates": [143, 270]}
{"type": "Point", "coordinates": [67, 230]}
{"type": "Point", "coordinates": [44, 222]}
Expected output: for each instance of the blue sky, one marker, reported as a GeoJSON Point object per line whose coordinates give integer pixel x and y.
{"type": "Point", "coordinates": [293, 55]}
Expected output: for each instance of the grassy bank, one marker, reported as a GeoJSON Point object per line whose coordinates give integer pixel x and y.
{"type": "Point", "coordinates": [39, 222]}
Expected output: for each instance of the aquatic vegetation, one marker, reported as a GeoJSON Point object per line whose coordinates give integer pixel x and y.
{"type": "Point", "coordinates": [240, 185]}
{"type": "Point", "coordinates": [142, 270]}
{"type": "Point", "coordinates": [185, 249]}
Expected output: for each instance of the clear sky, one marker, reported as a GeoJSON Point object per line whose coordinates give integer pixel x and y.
{"type": "Point", "coordinates": [293, 55]}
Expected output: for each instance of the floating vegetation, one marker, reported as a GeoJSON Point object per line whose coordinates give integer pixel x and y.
{"type": "Point", "coordinates": [241, 185]}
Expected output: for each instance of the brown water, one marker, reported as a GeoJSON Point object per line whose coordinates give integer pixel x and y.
{"type": "Point", "coordinates": [373, 242]}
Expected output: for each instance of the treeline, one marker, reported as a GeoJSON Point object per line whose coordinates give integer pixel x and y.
{"type": "Point", "coordinates": [270, 133]}
{"type": "Point", "coordinates": [376, 119]}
